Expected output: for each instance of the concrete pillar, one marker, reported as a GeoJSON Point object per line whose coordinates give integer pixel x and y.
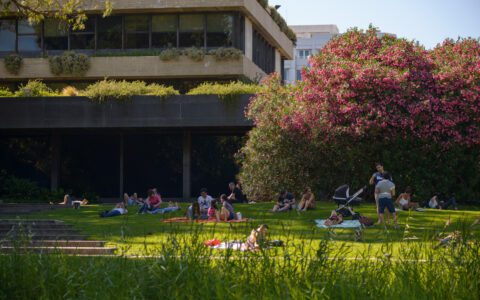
{"type": "Point", "coordinates": [55, 144]}
{"type": "Point", "coordinates": [278, 62]}
{"type": "Point", "coordinates": [121, 164]}
{"type": "Point", "coordinates": [187, 152]}
{"type": "Point", "coordinates": [248, 39]}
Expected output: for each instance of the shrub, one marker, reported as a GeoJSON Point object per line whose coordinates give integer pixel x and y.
{"type": "Point", "coordinates": [227, 91]}
{"type": "Point", "coordinates": [277, 18]}
{"type": "Point", "coordinates": [17, 189]}
{"type": "Point", "coordinates": [124, 90]}
{"type": "Point", "coordinates": [34, 88]}
{"type": "Point", "coordinates": [13, 63]}
{"type": "Point", "coordinates": [263, 3]}
{"type": "Point", "coordinates": [69, 91]}
{"type": "Point", "coordinates": [223, 54]}
{"type": "Point", "coordinates": [195, 54]}
{"type": "Point", "coordinates": [69, 63]}
{"type": "Point", "coordinates": [170, 54]}
{"type": "Point", "coordinates": [5, 93]}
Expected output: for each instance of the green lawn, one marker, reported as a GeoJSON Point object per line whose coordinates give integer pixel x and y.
{"type": "Point", "coordinates": [135, 234]}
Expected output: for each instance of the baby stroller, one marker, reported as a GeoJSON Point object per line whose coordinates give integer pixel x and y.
{"type": "Point", "coordinates": [342, 197]}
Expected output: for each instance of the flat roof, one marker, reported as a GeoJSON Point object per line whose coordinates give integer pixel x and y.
{"type": "Point", "coordinates": [326, 28]}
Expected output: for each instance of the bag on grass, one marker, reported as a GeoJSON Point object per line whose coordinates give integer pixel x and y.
{"type": "Point", "coordinates": [211, 243]}
{"type": "Point", "coordinates": [365, 221]}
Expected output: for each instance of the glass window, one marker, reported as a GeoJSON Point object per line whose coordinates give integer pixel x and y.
{"type": "Point", "coordinates": [7, 35]}
{"type": "Point", "coordinates": [299, 74]}
{"type": "Point", "coordinates": [29, 36]}
{"type": "Point", "coordinates": [136, 28]}
{"type": "Point", "coordinates": [109, 33]}
{"type": "Point", "coordinates": [164, 31]}
{"type": "Point", "coordinates": [191, 31]}
{"type": "Point", "coordinates": [85, 38]}
{"type": "Point", "coordinates": [55, 35]}
{"type": "Point", "coordinates": [219, 30]}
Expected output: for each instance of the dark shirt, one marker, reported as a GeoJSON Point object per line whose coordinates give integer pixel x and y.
{"type": "Point", "coordinates": [239, 196]}
{"type": "Point", "coordinates": [228, 206]}
{"type": "Point", "coordinates": [287, 199]}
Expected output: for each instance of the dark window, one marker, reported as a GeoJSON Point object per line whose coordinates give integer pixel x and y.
{"type": "Point", "coordinates": [164, 31]}
{"type": "Point", "coordinates": [136, 31]}
{"type": "Point", "coordinates": [29, 36]}
{"type": "Point", "coordinates": [85, 38]}
{"type": "Point", "coordinates": [219, 30]}
{"type": "Point", "coordinates": [109, 32]}
{"type": "Point", "coordinates": [7, 35]}
{"type": "Point", "coordinates": [192, 31]}
{"type": "Point", "coordinates": [56, 35]}
{"type": "Point", "coordinates": [263, 53]}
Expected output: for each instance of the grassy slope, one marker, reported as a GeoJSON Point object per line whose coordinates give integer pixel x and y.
{"type": "Point", "coordinates": [143, 234]}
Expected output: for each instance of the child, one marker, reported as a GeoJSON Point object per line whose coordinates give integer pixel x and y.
{"type": "Point", "coordinates": [213, 212]}
{"type": "Point", "coordinates": [334, 219]}
{"type": "Point", "coordinates": [256, 238]}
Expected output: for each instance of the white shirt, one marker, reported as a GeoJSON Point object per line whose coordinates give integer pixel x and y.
{"type": "Point", "coordinates": [205, 202]}
{"type": "Point", "coordinates": [120, 210]}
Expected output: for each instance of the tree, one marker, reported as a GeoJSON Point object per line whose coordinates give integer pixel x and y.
{"type": "Point", "coordinates": [70, 11]}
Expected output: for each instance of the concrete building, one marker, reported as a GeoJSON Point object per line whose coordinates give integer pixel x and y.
{"type": "Point", "coordinates": [111, 148]}
{"type": "Point", "coordinates": [310, 39]}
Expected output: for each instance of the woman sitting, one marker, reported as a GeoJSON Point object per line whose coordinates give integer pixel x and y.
{"type": "Point", "coordinates": [194, 212]}
{"type": "Point", "coordinates": [404, 200]}
{"type": "Point", "coordinates": [117, 211]}
{"type": "Point", "coordinates": [334, 219]}
{"type": "Point", "coordinates": [153, 202]}
{"type": "Point", "coordinates": [227, 213]}
{"type": "Point", "coordinates": [433, 203]}
{"type": "Point", "coordinates": [307, 201]}
{"type": "Point", "coordinates": [213, 212]}
{"type": "Point", "coordinates": [285, 202]}
{"type": "Point", "coordinates": [256, 238]}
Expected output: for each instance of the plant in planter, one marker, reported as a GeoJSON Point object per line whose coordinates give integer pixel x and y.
{"type": "Point", "coordinates": [13, 63]}
{"type": "Point", "coordinates": [34, 88]}
{"type": "Point", "coordinates": [224, 54]}
{"type": "Point", "coordinates": [169, 54]}
{"type": "Point", "coordinates": [5, 93]}
{"type": "Point", "coordinates": [195, 54]}
{"type": "Point", "coordinates": [69, 63]}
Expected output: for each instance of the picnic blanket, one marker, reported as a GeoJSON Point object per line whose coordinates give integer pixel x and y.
{"type": "Point", "coordinates": [344, 224]}
{"type": "Point", "coordinates": [186, 220]}
{"type": "Point", "coordinates": [229, 245]}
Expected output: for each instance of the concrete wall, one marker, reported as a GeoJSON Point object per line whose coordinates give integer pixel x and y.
{"type": "Point", "coordinates": [248, 39]}
{"type": "Point", "coordinates": [140, 112]}
{"type": "Point", "coordinates": [141, 67]}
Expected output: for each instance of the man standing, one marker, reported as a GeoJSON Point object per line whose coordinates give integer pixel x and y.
{"type": "Point", "coordinates": [374, 180]}
{"type": "Point", "coordinates": [384, 192]}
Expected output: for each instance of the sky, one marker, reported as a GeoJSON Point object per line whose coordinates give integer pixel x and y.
{"type": "Point", "coordinates": [426, 21]}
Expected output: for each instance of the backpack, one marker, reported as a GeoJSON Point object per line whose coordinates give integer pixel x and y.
{"type": "Point", "coordinates": [365, 221]}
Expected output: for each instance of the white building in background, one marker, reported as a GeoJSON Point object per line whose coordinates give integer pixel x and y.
{"type": "Point", "coordinates": [310, 39]}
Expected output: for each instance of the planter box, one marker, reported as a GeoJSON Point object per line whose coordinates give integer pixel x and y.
{"type": "Point", "coordinates": [139, 112]}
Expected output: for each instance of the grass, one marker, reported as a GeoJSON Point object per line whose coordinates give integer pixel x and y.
{"type": "Point", "coordinates": [315, 264]}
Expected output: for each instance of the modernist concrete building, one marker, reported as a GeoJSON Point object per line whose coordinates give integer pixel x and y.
{"type": "Point", "coordinates": [173, 144]}
{"type": "Point", "coordinates": [310, 39]}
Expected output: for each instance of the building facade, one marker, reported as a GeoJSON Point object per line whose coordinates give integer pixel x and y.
{"type": "Point", "coordinates": [178, 144]}
{"type": "Point", "coordinates": [310, 39]}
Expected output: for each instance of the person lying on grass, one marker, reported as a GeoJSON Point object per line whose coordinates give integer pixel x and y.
{"type": "Point", "coordinates": [171, 207]}
{"type": "Point", "coordinates": [334, 219]}
{"type": "Point", "coordinates": [308, 200]}
{"type": "Point", "coordinates": [285, 202]}
{"type": "Point", "coordinates": [118, 210]}
{"type": "Point", "coordinates": [404, 200]}
{"type": "Point", "coordinates": [256, 239]}
{"type": "Point", "coordinates": [153, 202]}
{"type": "Point", "coordinates": [227, 213]}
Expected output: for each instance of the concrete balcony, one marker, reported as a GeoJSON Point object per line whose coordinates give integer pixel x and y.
{"type": "Point", "coordinates": [140, 67]}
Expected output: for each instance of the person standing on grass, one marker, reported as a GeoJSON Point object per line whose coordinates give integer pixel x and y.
{"type": "Point", "coordinates": [375, 179]}
{"type": "Point", "coordinates": [384, 193]}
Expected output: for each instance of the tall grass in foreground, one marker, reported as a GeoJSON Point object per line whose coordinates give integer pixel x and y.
{"type": "Point", "coordinates": [185, 269]}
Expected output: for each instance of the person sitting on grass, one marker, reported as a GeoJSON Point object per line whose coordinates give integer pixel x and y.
{"type": "Point", "coordinates": [152, 203]}
{"type": "Point", "coordinates": [404, 200]}
{"type": "Point", "coordinates": [227, 213]}
{"type": "Point", "coordinates": [384, 192]}
{"type": "Point", "coordinates": [256, 239]}
{"type": "Point", "coordinates": [308, 200]}
{"type": "Point", "coordinates": [334, 219]}
{"type": "Point", "coordinates": [117, 211]}
{"type": "Point", "coordinates": [137, 200]}
{"type": "Point", "coordinates": [450, 202]}
{"type": "Point", "coordinates": [213, 211]}
{"type": "Point", "coordinates": [285, 202]}
{"type": "Point", "coordinates": [170, 208]}
{"type": "Point", "coordinates": [204, 201]}
{"type": "Point", "coordinates": [433, 202]}
{"type": "Point", "coordinates": [194, 213]}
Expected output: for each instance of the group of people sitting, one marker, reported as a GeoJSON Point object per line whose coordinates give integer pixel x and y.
{"type": "Point", "coordinates": [286, 201]}
{"type": "Point", "coordinates": [207, 208]}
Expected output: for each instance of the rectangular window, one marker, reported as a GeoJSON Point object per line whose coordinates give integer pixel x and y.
{"type": "Point", "coordinates": [220, 30]}
{"type": "Point", "coordinates": [299, 75]}
{"type": "Point", "coordinates": [192, 31]}
{"type": "Point", "coordinates": [29, 36]}
{"type": "Point", "coordinates": [7, 35]}
{"type": "Point", "coordinates": [85, 38]}
{"type": "Point", "coordinates": [55, 35]}
{"type": "Point", "coordinates": [136, 32]}
{"type": "Point", "coordinates": [109, 32]}
{"type": "Point", "coordinates": [164, 31]}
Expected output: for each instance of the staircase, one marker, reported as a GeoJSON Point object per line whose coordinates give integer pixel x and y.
{"type": "Point", "coordinates": [47, 236]}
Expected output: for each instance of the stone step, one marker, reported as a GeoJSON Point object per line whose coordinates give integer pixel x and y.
{"type": "Point", "coordinates": [30, 222]}
{"type": "Point", "coordinates": [39, 226]}
{"type": "Point", "coordinates": [65, 250]}
{"type": "Point", "coordinates": [56, 237]}
{"type": "Point", "coordinates": [58, 243]}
